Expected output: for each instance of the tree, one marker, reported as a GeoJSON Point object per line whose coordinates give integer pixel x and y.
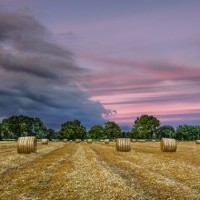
{"type": "Point", "coordinates": [112, 130]}
{"type": "Point", "coordinates": [0, 132]}
{"type": "Point", "coordinates": [17, 126]}
{"type": "Point", "coordinates": [165, 131]}
{"type": "Point", "coordinates": [145, 127]}
{"type": "Point", "coordinates": [187, 132]}
{"type": "Point", "coordinates": [72, 130]}
{"type": "Point", "coordinates": [38, 128]}
{"type": "Point", "coordinates": [96, 132]}
{"type": "Point", "coordinates": [52, 134]}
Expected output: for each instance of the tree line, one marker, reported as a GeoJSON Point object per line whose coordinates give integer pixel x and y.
{"type": "Point", "coordinates": [144, 127]}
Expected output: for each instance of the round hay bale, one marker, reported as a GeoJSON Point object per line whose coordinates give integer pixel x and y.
{"type": "Point", "coordinates": [197, 141]}
{"type": "Point", "coordinates": [133, 140]}
{"type": "Point", "coordinates": [65, 140]}
{"type": "Point", "coordinates": [78, 140]}
{"type": "Point", "coordinates": [142, 141]}
{"type": "Point", "coordinates": [168, 145]}
{"type": "Point", "coordinates": [123, 144]}
{"type": "Point", "coordinates": [106, 141]}
{"type": "Point", "coordinates": [55, 140]}
{"type": "Point", "coordinates": [89, 140]}
{"type": "Point", "coordinates": [26, 144]}
{"type": "Point", "coordinates": [44, 141]}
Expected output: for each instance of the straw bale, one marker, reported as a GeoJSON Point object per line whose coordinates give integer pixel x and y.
{"type": "Point", "coordinates": [133, 140]}
{"type": "Point", "coordinates": [26, 144]}
{"type": "Point", "coordinates": [168, 145]}
{"type": "Point", "coordinates": [106, 141]}
{"type": "Point", "coordinates": [142, 141]}
{"type": "Point", "coordinates": [78, 140]}
{"type": "Point", "coordinates": [123, 144]}
{"type": "Point", "coordinates": [44, 141]}
{"type": "Point", "coordinates": [89, 140]}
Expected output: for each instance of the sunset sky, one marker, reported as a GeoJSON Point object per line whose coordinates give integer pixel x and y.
{"type": "Point", "coordinates": [100, 60]}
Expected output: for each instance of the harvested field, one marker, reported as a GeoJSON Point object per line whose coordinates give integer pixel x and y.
{"type": "Point", "coordinates": [97, 171]}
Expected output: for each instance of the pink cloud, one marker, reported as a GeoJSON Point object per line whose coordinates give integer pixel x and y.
{"type": "Point", "coordinates": [133, 88]}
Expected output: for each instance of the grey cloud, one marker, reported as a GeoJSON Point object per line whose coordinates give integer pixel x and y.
{"type": "Point", "coordinates": [27, 34]}
{"type": "Point", "coordinates": [29, 65]}
{"type": "Point", "coordinates": [40, 78]}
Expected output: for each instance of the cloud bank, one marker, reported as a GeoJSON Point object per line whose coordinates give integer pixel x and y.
{"type": "Point", "coordinates": [39, 77]}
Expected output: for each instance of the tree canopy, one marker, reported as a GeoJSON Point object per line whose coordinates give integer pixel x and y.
{"type": "Point", "coordinates": [96, 132]}
{"type": "Point", "coordinates": [188, 132]}
{"type": "Point", "coordinates": [17, 126]}
{"type": "Point", "coordinates": [112, 130]}
{"type": "Point", "coordinates": [73, 130]}
{"type": "Point", "coordinates": [165, 131]}
{"type": "Point", "coordinates": [145, 126]}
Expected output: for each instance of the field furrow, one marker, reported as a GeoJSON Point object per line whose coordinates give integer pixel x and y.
{"type": "Point", "coordinates": [160, 178]}
{"type": "Point", "coordinates": [94, 180]}
{"type": "Point", "coordinates": [36, 179]}
{"type": "Point", "coordinates": [82, 171]}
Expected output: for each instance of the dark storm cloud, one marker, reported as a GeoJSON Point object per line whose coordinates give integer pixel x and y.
{"type": "Point", "coordinates": [27, 34]}
{"type": "Point", "coordinates": [28, 65]}
{"type": "Point", "coordinates": [40, 78]}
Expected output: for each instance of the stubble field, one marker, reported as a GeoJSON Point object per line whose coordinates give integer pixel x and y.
{"type": "Point", "coordinates": [96, 171]}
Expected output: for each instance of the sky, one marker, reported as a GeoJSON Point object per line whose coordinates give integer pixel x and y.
{"type": "Point", "coordinates": [100, 61]}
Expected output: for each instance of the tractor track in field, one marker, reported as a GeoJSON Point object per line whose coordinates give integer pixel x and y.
{"type": "Point", "coordinates": [11, 160]}
{"type": "Point", "coordinates": [156, 184]}
{"type": "Point", "coordinates": [94, 180]}
{"type": "Point", "coordinates": [81, 171]}
{"type": "Point", "coordinates": [33, 179]}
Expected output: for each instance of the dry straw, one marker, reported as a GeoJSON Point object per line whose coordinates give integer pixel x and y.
{"type": "Point", "coordinates": [26, 144]}
{"type": "Point", "coordinates": [44, 141]}
{"type": "Point", "coordinates": [168, 145]}
{"type": "Point", "coordinates": [89, 140]}
{"type": "Point", "coordinates": [123, 144]}
{"type": "Point", "coordinates": [197, 141]}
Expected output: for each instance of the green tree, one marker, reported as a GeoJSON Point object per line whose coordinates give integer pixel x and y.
{"type": "Point", "coordinates": [112, 130]}
{"type": "Point", "coordinates": [187, 132]}
{"type": "Point", "coordinates": [17, 126]}
{"type": "Point", "coordinates": [165, 131]}
{"type": "Point", "coordinates": [52, 134]}
{"type": "Point", "coordinates": [38, 128]}
{"type": "Point", "coordinates": [72, 130]}
{"type": "Point", "coordinates": [96, 132]}
{"type": "Point", "coordinates": [145, 127]}
{"type": "Point", "coordinates": [0, 132]}
{"type": "Point", "coordinates": [126, 134]}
